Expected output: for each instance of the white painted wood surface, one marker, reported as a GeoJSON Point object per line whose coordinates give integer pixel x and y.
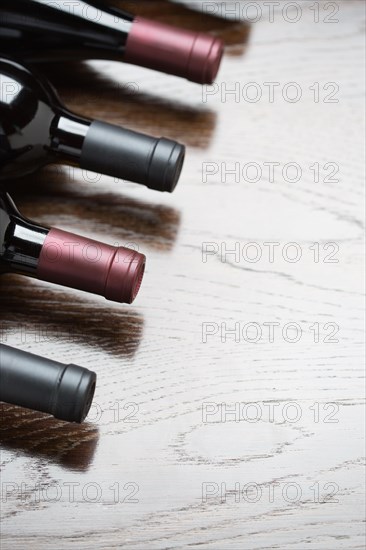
{"type": "Point", "coordinates": [202, 477]}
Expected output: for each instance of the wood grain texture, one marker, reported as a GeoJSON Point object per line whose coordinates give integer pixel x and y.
{"type": "Point", "coordinates": [161, 463]}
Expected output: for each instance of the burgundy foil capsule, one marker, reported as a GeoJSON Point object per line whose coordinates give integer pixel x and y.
{"type": "Point", "coordinates": [195, 56]}
{"type": "Point", "coordinates": [73, 261]}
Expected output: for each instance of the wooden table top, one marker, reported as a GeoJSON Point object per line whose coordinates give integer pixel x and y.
{"type": "Point", "coordinates": [229, 407]}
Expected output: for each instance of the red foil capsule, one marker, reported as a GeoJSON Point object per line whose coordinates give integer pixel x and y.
{"type": "Point", "coordinates": [195, 56]}
{"type": "Point", "coordinates": [73, 261]}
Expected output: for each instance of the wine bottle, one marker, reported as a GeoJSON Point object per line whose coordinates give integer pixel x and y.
{"type": "Point", "coordinates": [52, 30]}
{"type": "Point", "coordinates": [66, 259]}
{"type": "Point", "coordinates": [33, 382]}
{"type": "Point", "coordinates": [35, 129]}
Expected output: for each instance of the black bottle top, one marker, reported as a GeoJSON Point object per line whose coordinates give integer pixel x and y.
{"type": "Point", "coordinates": [27, 380]}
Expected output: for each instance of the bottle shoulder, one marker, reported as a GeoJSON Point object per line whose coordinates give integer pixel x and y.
{"type": "Point", "coordinates": [28, 106]}
{"type": "Point", "coordinates": [22, 87]}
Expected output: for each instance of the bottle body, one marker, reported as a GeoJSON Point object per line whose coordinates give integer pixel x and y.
{"type": "Point", "coordinates": [35, 129]}
{"type": "Point", "coordinates": [27, 112]}
{"type": "Point", "coordinates": [48, 31]}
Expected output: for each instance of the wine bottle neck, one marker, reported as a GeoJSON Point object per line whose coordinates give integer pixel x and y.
{"type": "Point", "coordinates": [68, 133]}
{"type": "Point", "coordinates": [67, 259]}
{"type": "Point", "coordinates": [21, 240]}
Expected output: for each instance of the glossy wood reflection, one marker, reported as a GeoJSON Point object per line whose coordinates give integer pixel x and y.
{"type": "Point", "coordinates": [203, 435]}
